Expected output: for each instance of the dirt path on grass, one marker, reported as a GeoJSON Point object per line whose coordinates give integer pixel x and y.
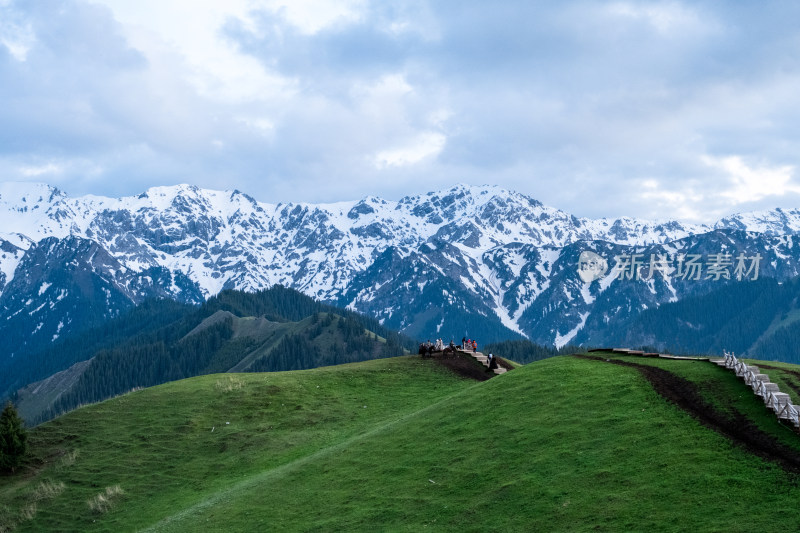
{"type": "Point", "coordinates": [735, 425]}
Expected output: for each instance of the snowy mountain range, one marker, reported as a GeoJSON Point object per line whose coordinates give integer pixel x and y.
{"type": "Point", "coordinates": [479, 261]}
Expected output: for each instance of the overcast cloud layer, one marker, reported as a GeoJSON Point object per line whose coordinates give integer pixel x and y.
{"type": "Point", "coordinates": [650, 109]}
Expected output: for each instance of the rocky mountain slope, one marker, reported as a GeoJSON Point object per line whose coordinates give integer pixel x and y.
{"type": "Point", "coordinates": [477, 261]}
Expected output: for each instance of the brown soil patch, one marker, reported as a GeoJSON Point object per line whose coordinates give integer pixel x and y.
{"type": "Point", "coordinates": [504, 364]}
{"type": "Point", "coordinates": [735, 426]}
{"type": "Point", "coordinates": [463, 365]}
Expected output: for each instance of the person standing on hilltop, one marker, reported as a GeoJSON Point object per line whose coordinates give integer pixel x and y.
{"type": "Point", "coordinates": [474, 346]}
{"type": "Point", "coordinates": [463, 343]}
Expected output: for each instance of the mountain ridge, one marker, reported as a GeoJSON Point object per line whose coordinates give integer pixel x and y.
{"type": "Point", "coordinates": [489, 257]}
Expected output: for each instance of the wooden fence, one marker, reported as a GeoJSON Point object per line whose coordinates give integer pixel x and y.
{"type": "Point", "coordinates": [779, 402]}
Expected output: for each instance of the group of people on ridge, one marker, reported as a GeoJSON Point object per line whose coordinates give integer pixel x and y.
{"type": "Point", "coordinates": [469, 344]}
{"type": "Point", "coordinates": [427, 348]}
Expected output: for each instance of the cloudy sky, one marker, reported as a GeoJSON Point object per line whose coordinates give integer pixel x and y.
{"type": "Point", "coordinates": [654, 109]}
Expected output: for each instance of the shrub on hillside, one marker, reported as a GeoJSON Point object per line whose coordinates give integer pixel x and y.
{"type": "Point", "coordinates": [13, 439]}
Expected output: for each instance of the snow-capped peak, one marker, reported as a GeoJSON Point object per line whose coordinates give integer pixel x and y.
{"type": "Point", "coordinates": [496, 246]}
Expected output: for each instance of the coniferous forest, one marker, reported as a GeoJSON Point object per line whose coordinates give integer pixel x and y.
{"type": "Point", "coordinates": [758, 319]}
{"type": "Point", "coordinates": [524, 351]}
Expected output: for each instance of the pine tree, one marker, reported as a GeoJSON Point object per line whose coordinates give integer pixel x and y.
{"type": "Point", "coordinates": [13, 439]}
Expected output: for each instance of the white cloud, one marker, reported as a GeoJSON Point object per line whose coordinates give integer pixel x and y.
{"type": "Point", "coordinates": [191, 30]}
{"type": "Point", "coordinates": [311, 16]}
{"type": "Point", "coordinates": [261, 125]}
{"type": "Point", "coordinates": [728, 184]}
{"type": "Point", "coordinates": [752, 183]}
{"type": "Point", "coordinates": [15, 35]}
{"type": "Point", "coordinates": [665, 17]}
{"type": "Point", "coordinates": [65, 173]}
{"type": "Point", "coordinates": [40, 170]}
{"type": "Point", "coordinates": [424, 145]}
{"type": "Point", "coordinates": [669, 204]}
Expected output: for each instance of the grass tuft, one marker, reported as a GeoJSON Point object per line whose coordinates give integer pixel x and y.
{"type": "Point", "coordinates": [104, 501]}
{"type": "Point", "coordinates": [229, 384]}
{"type": "Point", "coordinates": [47, 490]}
{"type": "Point", "coordinates": [29, 511]}
{"type": "Point", "coordinates": [8, 520]}
{"type": "Point", "coordinates": [68, 459]}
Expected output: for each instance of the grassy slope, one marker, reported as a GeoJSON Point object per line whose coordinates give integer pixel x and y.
{"type": "Point", "coordinates": [727, 392]}
{"type": "Point", "coordinates": [37, 397]}
{"type": "Point", "coordinates": [158, 446]}
{"type": "Point", "coordinates": [562, 444]}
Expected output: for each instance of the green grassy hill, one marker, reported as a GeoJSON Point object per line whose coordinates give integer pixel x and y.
{"type": "Point", "coordinates": [403, 444]}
